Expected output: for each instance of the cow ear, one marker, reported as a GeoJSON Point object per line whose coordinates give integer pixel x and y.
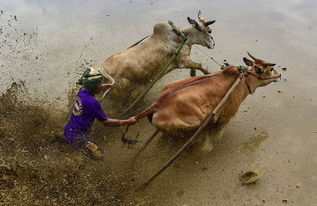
{"type": "Point", "coordinates": [258, 70]}
{"type": "Point", "coordinates": [247, 61]}
{"type": "Point", "coordinates": [193, 22]}
{"type": "Point", "coordinates": [210, 22]}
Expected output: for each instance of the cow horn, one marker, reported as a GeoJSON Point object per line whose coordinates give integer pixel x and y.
{"type": "Point", "coordinates": [269, 64]}
{"type": "Point", "coordinates": [209, 22]}
{"type": "Point", "coordinates": [252, 56]}
{"type": "Point", "coordinates": [199, 14]}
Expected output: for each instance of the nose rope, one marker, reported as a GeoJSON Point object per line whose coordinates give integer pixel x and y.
{"type": "Point", "coordinates": [208, 56]}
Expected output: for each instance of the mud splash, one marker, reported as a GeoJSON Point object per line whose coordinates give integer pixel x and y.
{"type": "Point", "coordinates": [254, 142]}
{"type": "Point", "coordinates": [38, 168]}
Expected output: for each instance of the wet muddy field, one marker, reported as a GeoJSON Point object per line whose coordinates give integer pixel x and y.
{"type": "Point", "coordinates": [44, 48]}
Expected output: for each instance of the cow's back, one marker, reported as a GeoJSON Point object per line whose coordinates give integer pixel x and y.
{"type": "Point", "coordinates": [145, 59]}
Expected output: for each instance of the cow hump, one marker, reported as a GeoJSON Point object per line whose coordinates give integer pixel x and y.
{"type": "Point", "coordinates": [162, 29]}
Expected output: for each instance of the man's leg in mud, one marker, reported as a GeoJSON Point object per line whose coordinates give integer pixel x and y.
{"type": "Point", "coordinates": [88, 147]}
{"type": "Point", "coordinates": [94, 150]}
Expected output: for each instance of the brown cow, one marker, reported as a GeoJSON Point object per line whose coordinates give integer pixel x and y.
{"type": "Point", "coordinates": [135, 67]}
{"type": "Point", "coordinates": [184, 104]}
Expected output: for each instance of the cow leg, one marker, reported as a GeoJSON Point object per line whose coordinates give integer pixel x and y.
{"type": "Point", "coordinates": [171, 68]}
{"type": "Point", "coordinates": [210, 138]}
{"type": "Point", "coordinates": [217, 135]}
{"type": "Point", "coordinates": [194, 66]}
{"type": "Point", "coordinates": [192, 72]}
{"type": "Point", "coordinates": [208, 144]}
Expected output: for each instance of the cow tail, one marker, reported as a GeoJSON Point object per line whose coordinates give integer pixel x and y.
{"type": "Point", "coordinates": [150, 117]}
{"type": "Point", "coordinates": [147, 112]}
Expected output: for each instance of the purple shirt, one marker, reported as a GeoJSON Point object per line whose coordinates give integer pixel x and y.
{"type": "Point", "coordinates": [85, 110]}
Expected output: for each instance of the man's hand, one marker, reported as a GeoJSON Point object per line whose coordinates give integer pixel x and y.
{"type": "Point", "coordinates": [131, 120]}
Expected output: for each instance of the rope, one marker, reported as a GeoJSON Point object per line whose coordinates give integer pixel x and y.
{"type": "Point", "coordinates": [138, 42]}
{"type": "Point", "coordinates": [202, 79]}
{"type": "Point", "coordinates": [208, 56]}
{"type": "Point", "coordinates": [195, 82]}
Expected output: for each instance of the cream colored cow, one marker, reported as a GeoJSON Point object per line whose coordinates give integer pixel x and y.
{"type": "Point", "coordinates": [135, 67]}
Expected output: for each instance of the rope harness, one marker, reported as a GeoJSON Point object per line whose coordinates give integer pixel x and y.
{"type": "Point", "coordinates": [248, 71]}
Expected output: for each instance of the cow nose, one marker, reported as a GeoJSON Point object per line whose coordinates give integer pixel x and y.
{"type": "Point", "coordinates": [278, 78]}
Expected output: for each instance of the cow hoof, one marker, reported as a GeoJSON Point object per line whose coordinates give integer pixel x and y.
{"type": "Point", "coordinates": [208, 147]}
{"type": "Point", "coordinates": [192, 72]}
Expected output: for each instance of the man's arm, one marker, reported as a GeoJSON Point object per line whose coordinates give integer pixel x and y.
{"type": "Point", "coordinates": [118, 122]}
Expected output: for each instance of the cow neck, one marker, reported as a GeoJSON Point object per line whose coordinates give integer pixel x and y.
{"type": "Point", "coordinates": [189, 33]}
{"type": "Point", "coordinates": [247, 85]}
{"type": "Point", "coordinates": [251, 83]}
{"type": "Point", "coordinates": [241, 91]}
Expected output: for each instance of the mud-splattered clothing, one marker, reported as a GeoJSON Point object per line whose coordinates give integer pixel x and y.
{"type": "Point", "coordinates": [85, 110]}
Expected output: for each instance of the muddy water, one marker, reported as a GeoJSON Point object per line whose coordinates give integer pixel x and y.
{"type": "Point", "coordinates": [46, 44]}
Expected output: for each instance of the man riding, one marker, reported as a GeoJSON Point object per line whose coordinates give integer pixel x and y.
{"type": "Point", "coordinates": [86, 109]}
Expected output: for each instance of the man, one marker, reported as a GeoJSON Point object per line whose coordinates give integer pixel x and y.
{"type": "Point", "coordinates": [86, 109]}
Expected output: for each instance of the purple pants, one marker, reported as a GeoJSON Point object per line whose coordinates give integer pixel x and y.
{"type": "Point", "coordinates": [78, 139]}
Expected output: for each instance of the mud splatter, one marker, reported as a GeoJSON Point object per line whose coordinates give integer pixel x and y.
{"type": "Point", "coordinates": [254, 142]}
{"type": "Point", "coordinates": [38, 168]}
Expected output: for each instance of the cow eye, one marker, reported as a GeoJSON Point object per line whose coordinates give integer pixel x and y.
{"type": "Point", "coordinates": [258, 70]}
{"type": "Point", "coordinates": [271, 69]}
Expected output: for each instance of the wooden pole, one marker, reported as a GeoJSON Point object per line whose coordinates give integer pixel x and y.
{"type": "Point", "coordinates": [146, 143]}
{"type": "Point", "coordinates": [203, 125]}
